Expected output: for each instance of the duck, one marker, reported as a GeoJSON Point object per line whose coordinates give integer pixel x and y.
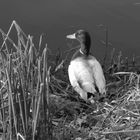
{"type": "Point", "coordinates": [85, 73]}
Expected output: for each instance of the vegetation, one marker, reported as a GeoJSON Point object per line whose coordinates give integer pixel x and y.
{"type": "Point", "coordinates": [38, 103]}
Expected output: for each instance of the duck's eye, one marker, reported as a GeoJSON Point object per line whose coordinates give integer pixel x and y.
{"type": "Point", "coordinates": [81, 36]}
{"type": "Point", "coordinates": [77, 35]}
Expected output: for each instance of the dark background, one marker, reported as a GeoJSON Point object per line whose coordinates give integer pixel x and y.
{"type": "Point", "coordinates": [57, 18]}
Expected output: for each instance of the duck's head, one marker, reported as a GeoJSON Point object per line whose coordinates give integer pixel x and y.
{"type": "Point", "coordinates": [84, 38]}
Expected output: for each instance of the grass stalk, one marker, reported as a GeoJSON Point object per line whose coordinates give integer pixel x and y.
{"type": "Point", "coordinates": [11, 102]}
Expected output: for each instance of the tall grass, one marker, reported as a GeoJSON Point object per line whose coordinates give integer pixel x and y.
{"type": "Point", "coordinates": [25, 81]}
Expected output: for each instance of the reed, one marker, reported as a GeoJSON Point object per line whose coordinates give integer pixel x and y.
{"type": "Point", "coordinates": [25, 85]}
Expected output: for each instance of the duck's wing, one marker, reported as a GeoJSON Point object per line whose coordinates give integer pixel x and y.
{"type": "Point", "coordinates": [98, 74]}
{"type": "Point", "coordinates": [75, 83]}
{"type": "Point", "coordinates": [81, 77]}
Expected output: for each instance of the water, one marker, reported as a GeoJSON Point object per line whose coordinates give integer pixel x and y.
{"type": "Point", "coordinates": [59, 18]}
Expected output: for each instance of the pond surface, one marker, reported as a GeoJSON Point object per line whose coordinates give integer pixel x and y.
{"type": "Point", "coordinates": [57, 18]}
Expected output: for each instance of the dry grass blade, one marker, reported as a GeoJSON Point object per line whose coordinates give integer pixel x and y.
{"type": "Point", "coordinates": [22, 116]}
{"type": "Point", "coordinates": [123, 131]}
{"type": "Point", "coordinates": [117, 73]}
{"type": "Point", "coordinates": [19, 135]}
{"type": "Point", "coordinates": [12, 25]}
{"type": "Point", "coordinates": [11, 101]}
{"type": "Point", "coordinates": [6, 37]}
{"type": "Point", "coordinates": [35, 117]}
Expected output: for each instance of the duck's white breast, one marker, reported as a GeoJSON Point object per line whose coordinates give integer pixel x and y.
{"type": "Point", "coordinates": [87, 71]}
{"type": "Point", "coordinates": [81, 70]}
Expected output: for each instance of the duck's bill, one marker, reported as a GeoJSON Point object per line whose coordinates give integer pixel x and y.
{"type": "Point", "coordinates": [71, 36]}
